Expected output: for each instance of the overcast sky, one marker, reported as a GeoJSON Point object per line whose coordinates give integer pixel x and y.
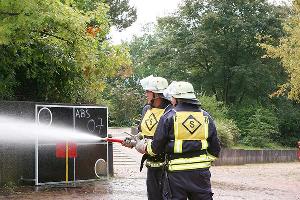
{"type": "Point", "coordinates": [147, 12]}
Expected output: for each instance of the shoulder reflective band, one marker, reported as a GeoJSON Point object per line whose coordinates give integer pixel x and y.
{"type": "Point", "coordinates": [204, 144]}
{"type": "Point", "coordinates": [178, 146]}
{"type": "Point", "coordinates": [150, 121]}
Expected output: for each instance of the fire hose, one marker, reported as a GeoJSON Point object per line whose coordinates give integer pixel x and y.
{"type": "Point", "coordinates": [128, 141]}
{"type": "Point", "coordinates": [117, 140]}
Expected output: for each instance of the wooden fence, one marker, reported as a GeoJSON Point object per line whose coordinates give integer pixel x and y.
{"type": "Point", "coordinates": [240, 156]}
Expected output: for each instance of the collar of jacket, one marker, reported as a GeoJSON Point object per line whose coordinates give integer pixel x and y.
{"type": "Point", "coordinates": [182, 106]}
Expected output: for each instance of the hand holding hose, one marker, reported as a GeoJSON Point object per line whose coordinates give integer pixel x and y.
{"type": "Point", "coordinates": [131, 141]}
{"type": "Point", "coordinates": [141, 145]}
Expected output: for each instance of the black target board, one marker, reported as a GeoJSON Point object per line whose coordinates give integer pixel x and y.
{"type": "Point", "coordinates": [68, 161]}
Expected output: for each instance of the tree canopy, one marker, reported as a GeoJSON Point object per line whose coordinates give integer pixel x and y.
{"type": "Point", "coordinates": [288, 51]}
{"type": "Point", "coordinates": [52, 51]}
{"type": "Point", "coordinates": [120, 13]}
{"type": "Point", "coordinates": [213, 44]}
{"type": "Point", "coordinates": [60, 51]}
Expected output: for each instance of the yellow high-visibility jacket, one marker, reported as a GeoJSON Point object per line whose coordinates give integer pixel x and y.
{"type": "Point", "coordinates": [188, 136]}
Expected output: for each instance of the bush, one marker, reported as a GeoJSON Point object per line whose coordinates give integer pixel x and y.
{"type": "Point", "coordinates": [228, 131]}
{"type": "Point", "coordinates": [288, 114]}
{"type": "Point", "coordinates": [241, 116]}
{"type": "Point", "coordinates": [125, 105]}
{"type": "Point", "coordinates": [262, 128]}
{"type": "Point", "coordinates": [215, 108]}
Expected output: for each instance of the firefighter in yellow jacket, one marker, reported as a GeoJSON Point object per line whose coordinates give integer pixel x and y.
{"type": "Point", "coordinates": [156, 106]}
{"type": "Point", "coordinates": [188, 136]}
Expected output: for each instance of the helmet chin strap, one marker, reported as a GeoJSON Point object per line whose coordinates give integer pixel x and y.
{"type": "Point", "coordinates": [156, 96]}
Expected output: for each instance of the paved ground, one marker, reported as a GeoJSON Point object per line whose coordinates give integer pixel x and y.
{"type": "Point", "coordinates": [280, 181]}
{"type": "Point", "coordinates": [257, 181]}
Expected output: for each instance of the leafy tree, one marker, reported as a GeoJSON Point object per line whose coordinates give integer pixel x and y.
{"type": "Point", "coordinates": [125, 99]}
{"type": "Point", "coordinates": [213, 44]}
{"type": "Point", "coordinates": [51, 51]}
{"type": "Point", "coordinates": [288, 51]}
{"type": "Point", "coordinates": [140, 51]}
{"type": "Point", "coordinates": [121, 14]}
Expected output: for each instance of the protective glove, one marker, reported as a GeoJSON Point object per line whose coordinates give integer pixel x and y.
{"type": "Point", "coordinates": [138, 136]}
{"type": "Point", "coordinates": [141, 146]}
{"type": "Point", "coordinates": [129, 142]}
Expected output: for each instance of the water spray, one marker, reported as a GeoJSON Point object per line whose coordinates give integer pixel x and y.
{"type": "Point", "coordinates": [18, 132]}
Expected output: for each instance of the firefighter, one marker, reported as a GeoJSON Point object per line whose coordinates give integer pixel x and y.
{"type": "Point", "coordinates": [188, 136]}
{"type": "Point", "coordinates": [156, 106]}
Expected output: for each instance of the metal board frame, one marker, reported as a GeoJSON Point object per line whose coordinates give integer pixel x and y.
{"type": "Point", "coordinates": [45, 106]}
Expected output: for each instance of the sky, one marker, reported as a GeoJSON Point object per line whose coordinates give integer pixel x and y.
{"type": "Point", "coordinates": [147, 12]}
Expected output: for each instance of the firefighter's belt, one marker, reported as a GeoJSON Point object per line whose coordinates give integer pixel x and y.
{"type": "Point", "coordinates": [152, 164]}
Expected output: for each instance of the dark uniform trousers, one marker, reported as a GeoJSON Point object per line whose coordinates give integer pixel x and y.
{"type": "Point", "coordinates": [154, 183]}
{"type": "Point", "coordinates": [194, 184]}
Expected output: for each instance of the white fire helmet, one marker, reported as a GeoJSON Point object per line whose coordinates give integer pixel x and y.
{"type": "Point", "coordinates": [180, 90]}
{"type": "Point", "coordinates": [167, 92]}
{"type": "Point", "coordinates": [154, 84]}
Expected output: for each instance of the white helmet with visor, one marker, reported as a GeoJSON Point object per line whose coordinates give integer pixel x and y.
{"type": "Point", "coordinates": [154, 84]}
{"type": "Point", "coordinates": [181, 90]}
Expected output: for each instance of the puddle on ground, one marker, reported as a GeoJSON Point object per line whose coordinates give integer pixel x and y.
{"type": "Point", "coordinates": [113, 189]}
